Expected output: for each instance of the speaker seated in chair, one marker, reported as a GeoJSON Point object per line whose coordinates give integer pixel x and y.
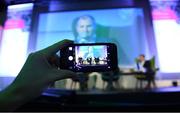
{"type": "Point", "coordinates": [146, 71]}
{"type": "Point", "coordinates": [111, 77]}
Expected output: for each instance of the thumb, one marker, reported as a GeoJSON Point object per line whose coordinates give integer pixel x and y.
{"type": "Point", "coordinates": [55, 74]}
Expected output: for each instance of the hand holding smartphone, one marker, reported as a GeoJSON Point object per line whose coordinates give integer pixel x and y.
{"type": "Point", "coordinates": [91, 57]}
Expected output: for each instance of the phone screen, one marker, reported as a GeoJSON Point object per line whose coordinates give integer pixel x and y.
{"type": "Point", "coordinates": [90, 57]}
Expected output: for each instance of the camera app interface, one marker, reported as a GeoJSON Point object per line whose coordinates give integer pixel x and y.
{"type": "Point", "coordinates": [91, 55]}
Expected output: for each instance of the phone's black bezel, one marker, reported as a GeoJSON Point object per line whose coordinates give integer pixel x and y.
{"type": "Point", "coordinates": [70, 65]}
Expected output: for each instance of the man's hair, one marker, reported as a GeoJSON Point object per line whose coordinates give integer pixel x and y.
{"type": "Point", "coordinates": [142, 55]}
{"type": "Point", "coordinates": [84, 17]}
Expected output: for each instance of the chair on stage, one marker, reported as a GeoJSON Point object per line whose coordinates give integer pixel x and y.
{"type": "Point", "coordinates": [85, 80]}
{"type": "Point", "coordinates": [111, 78]}
{"type": "Point", "coordinates": [141, 78]}
{"type": "Point", "coordinates": [81, 79]}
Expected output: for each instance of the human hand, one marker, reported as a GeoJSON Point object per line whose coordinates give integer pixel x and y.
{"type": "Point", "coordinates": [35, 76]}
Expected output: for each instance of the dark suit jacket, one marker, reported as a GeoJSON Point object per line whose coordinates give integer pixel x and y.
{"type": "Point", "coordinates": [149, 71]}
{"type": "Point", "coordinates": [147, 66]}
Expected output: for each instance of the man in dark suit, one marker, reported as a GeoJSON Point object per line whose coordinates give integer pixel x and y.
{"type": "Point", "coordinates": [145, 68]}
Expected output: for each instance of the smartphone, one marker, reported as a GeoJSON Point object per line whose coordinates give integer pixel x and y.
{"type": "Point", "coordinates": [90, 57]}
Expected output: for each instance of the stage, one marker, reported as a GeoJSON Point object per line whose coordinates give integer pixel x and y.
{"type": "Point", "coordinates": [159, 99]}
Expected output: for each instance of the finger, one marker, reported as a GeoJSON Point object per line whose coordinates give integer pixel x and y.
{"type": "Point", "coordinates": [56, 74]}
{"type": "Point", "coordinates": [54, 60]}
{"type": "Point", "coordinates": [51, 50]}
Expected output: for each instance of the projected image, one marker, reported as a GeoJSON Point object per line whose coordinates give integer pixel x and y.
{"type": "Point", "coordinates": [15, 37]}
{"type": "Point", "coordinates": [164, 9]}
{"type": "Point", "coordinates": [84, 29]}
{"type": "Point", "coordinates": [166, 20]}
{"type": "Point", "coordinates": [123, 26]}
{"type": "Point", "coordinates": [19, 16]}
{"type": "Point", "coordinates": [91, 55]}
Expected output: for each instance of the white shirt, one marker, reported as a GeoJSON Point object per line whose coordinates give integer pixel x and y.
{"type": "Point", "coordinates": [141, 68]}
